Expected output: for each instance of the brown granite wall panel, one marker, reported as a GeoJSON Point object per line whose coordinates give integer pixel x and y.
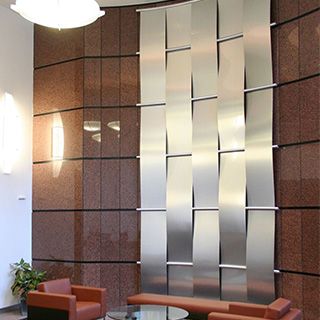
{"type": "Point", "coordinates": [58, 87]}
{"type": "Point", "coordinates": [110, 32]}
{"type": "Point", "coordinates": [275, 53]}
{"type": "Point", "coordinates": [287, 9]}
{"type": "Point", "coordinates": [110, 85]}
{"type": "Point", "coordinates": [308, 5]}
{"type": "Point", "coordinates": [68, 44]}
{"type": "Point", "coordinates": [56, 187]}
{"type": "Point", "coordinates": [129, 284]}
{"type": "Point", "coordinates": [54, 236]}
{"type": "Point", "coordinates": [92, 132]}
{"type": "Point", "coordinates": [90, 274]}
{"type": "Point", "coordinates": [129, 81]}
{"type": "Point", "coordinates": [110, 279]}
{"type": "Point", "coordinates": [129, 31]}
{"type": "Point", "coordinates": [110, 138]}
{"type": "Point", "coordinates": [311, 298]}
{"type": "Point", "coordinates": [91, 184]}
{"type": "Point", "coordinates": [129, 180]}
{"type": "Point", "coordinates": [110, 236]}
{"type": "Point", "coordinates": [292, 288]}
{"type": "Point", "coordinates": [92, 39]}
{"type": "Point", "coordinates": [110, 184]}
{"type": "Point", "coordinates": [92, 82]}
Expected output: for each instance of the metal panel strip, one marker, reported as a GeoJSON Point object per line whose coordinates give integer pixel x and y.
{"type": "Point", "coordinates": [204, 48]}
{"type": "Point", "coordinates": [260, 256]}
{"type": "Point", "coordinates": [178, 26]}
{"type": "Point", "coordinates": [179, 212]}
{"type": "Point", "coordinates": [152, 56]}
{"type": "Point", "coordinates": [230, 17]}
{"type": "Point", "coordinates": [233, 284]}
{"type": "Point", "coordinates": [257, 43]}
{"type": "Point", "coordinates": [205, 153]}
{"type": "Point", "coordinates": [153, 158]}
{"type": "Point", "coordinates": [180, 281]}
{"type": "Point", "coordinates": [178, 110]}
{"type": "Point", "coordinates": [259, 154]}
{"type": "Point", "coordinates": [231, 95]}
{"type": "Point", "coordinates": [232, 215]}
{"type": "Point", "coordinates": [206, 279]}
{"type": "Point", "coordinates": [153, 252]}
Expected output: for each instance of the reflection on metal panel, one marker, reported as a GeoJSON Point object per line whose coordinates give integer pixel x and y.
{"type": "Point", "coordinates": [232, 197]}
{"type": "Point", "coordinates": [205, 153]}
{"type": "Point", "coordinates": [153, 252]}
{"type": "Point", "coordinates": [152, 56]}
{"type": "Point", "coordinates": [206, 254]}
{"type": "Point", "coordinates": [231, 95]}
{"type": "Point", "coordinates": [234, 285]}
{"type": "Point", "coordinates": [153, 157]}
{"type": "Point", "coordinates": [178, 26]}
{"type": "Point", "coordinates": [180, 281]}
{"type": "Point", "coordinates": [179, 209]}
{"type": "Point", "coordinates": [230, 17]}
{"type": "Point", "coordinates": [260, 256]}
{"type": "Point", "coordinates": [178, 110]}
{"type": "Point", "coordinates": [204, 48]}
{"type": "Point", "coordinates": [260, 184]}
{"type": "Point", "coordinates": [257, 43]}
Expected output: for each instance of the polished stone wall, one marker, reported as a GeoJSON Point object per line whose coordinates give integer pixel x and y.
{"type": "Point", "coordinates": [84, 221]}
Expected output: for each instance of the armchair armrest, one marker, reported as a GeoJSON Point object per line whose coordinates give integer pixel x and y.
{"type": "Point", "coordinates": [252, 310]}
{"type": "Point", "coordinates": [52, 301]}
{"type": "Point", "coordinates": [98, 295]}
{"type": "Point", "coordinates": [227, 316]}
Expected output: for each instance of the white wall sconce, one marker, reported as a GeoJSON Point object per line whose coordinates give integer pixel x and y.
{"type": "Point", "coordinates": [60, 14]}
{"type": "Point", "coordinates": [10, 133]}
{"type": "Point", "coordinates": [57, 143]}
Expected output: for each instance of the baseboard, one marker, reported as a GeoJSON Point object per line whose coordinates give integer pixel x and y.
{"type": "Point", "coordinates": [10, 308]}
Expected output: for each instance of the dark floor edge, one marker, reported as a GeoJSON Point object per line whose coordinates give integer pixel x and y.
{"type": "Point", "coordinates": [14, 307]}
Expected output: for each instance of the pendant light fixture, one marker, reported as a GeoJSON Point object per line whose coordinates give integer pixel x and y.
{"type": "Point", "coordinates": [60, 14]}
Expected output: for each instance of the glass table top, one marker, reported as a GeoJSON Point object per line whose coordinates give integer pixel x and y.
{"type": "Point", "coordinates": [147, 312]}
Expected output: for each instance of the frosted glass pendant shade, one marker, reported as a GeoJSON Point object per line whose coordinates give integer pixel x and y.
{"type": "Point", "coordinates": [60, 14]}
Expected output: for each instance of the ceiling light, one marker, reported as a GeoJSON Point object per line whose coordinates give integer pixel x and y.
{"type": "Point", "coordinates": [92, 126]}
{"type": "Point", "coordinates": [114, 125]}
{"type": "Point", "coordinates": [60, 14]}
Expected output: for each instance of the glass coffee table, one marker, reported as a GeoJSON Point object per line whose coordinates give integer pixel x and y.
{"type": "Point", "coordinates": [147, 312]}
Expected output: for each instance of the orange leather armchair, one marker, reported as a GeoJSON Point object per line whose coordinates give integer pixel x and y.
{"type": "Point", "coordinates": [59, 300]}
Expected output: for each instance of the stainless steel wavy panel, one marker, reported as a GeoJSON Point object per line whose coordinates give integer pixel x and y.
{"type": "Point", "coordinates": [153, 157]}
{"type": "Point", "coordinates": [230, 17]}
{"type": "Point", "coordinates": [178, 109]}
{"type": "Point", "coordinates": [180, 281]}
{"type": "Point", "coordinates": [206, 255]}
{"type": "Point", "coordinates": [232, 215]}
{"type": "Point", "coordinates": [233, 285]}
{"type": "Point", "coordinates": [257, 43]}
{"type": "Point", "coordinates": [259, 157]}
{"type": "Point", "coordinates": [205, 153]}
{"type": "Point", "coordinates": [260, 256]}
{"type": "Point", "coordinates": [179, 209]}
{"type": "Point", "coordinates": [152, 56]}
{"type": "Point", "coordinates": [153, 252]}
{"type": "Point", "coordinates": [178, 26]}
{"type": "Point", "coordinates": [231, 95]}
{"type": "Point", "coordinates": [204, 48]}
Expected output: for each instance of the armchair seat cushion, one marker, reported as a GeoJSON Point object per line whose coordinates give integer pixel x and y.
{"type": "Point", "coordinates": [87, 310]}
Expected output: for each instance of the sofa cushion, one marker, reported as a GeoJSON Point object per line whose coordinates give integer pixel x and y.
{"type": "Point", "coordinates": [247, 309]}
{"type": "Point", "coordinates": [87, 310]}
{"type": "Point", "coordinates": [194, 305]}
{"type": "Point", "coordinates": [62, 286]}
{"type": "Point", "coordinates": [277, 309]}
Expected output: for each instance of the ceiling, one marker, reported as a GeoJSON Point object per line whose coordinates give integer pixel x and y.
{"type": "Point", "coordinates": [103, 3]}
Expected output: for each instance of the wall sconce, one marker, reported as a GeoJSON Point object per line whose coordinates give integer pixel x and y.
{"type": "Point", "coordinates": [10, 133]}
{"type": "Point", "coordinates": [57, 142]}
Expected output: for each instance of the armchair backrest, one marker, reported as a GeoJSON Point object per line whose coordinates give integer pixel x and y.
{"type": "Point", "coordinates": [277, 309]}
{"type": "Point", "coordinates": [62, 286]}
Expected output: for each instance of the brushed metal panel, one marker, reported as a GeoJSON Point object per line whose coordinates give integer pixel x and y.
{"type": "Point", "coordinates": [232, 215]}
{"type": "Point", "coordinates": [204, 48]}
{"type": "Point", "coordinates": [233, 285]}
{"type": "Point", "coordinates": [178, 109]}
{"type": "Point", "coordinates": [152, 56]}
{"type": "Point", "coordinates": [260, 256]}
{"type": "Point", "coordinates": [259, 154]}
{"type": "Point", "coordinates": [205, 153]}
{"type": "Point", "coordinates": [230, 17]}
{"type": "Point", "coordinates": [257, 43]}
{"type": "Point", "coordinates": [206, 278]}
{"type": "Point", "coordinates": [180, 281]}
{"type": "Point", "coordinates": [153, 157]}
{"type": "Point", "coordinates": [231, 96]}
{"type": "Point", "coordinates": [153, 252]}
{"type": "Point", "coordinates": [179, 212]}
{"type": "Point", "coordinates": [178, 26]}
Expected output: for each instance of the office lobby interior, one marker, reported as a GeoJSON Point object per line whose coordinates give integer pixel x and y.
{"type": "Point", "coordinates": [169, 153]}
